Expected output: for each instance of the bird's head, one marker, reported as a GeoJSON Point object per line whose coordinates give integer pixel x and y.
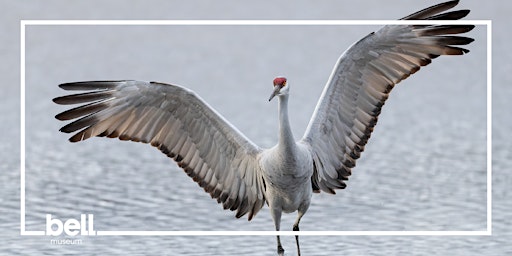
{"type": "Point", "coordinates": [280, 87]}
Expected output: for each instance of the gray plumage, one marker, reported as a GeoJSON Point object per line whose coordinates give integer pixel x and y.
{"type": "Point", "coordinates": [235, 171]}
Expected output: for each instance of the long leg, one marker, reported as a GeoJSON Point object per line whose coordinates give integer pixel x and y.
{"type": "Point", "coordinates": [276, 215]}
{"type": "Point", "coordinates": [296, 227]}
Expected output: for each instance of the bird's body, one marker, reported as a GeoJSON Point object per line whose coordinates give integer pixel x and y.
{"type": "Point", "coordinates": [288, 178]}
{"type": "Point", "coordinates": [287, 168]}
{"type": "Point", "coordinates": [235, 171]}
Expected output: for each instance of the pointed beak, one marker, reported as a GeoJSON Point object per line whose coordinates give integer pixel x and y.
{"type": "Point", "coordinates": [276, 91]}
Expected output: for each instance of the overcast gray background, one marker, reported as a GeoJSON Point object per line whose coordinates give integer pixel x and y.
{"type": "Point", "coordinates": [423, 168]}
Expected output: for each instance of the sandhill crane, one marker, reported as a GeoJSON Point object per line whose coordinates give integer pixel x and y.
{"type": "Point", "coordinates": [231, 168]}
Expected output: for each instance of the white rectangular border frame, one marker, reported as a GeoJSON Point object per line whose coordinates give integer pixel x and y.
{"type": "Point", "coordinates": [487, 23]}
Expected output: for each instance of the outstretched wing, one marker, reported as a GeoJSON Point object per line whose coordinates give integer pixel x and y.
{"type": "Point", "coordinates": [179, 123]}
{"type": "Point", "coordinates": [361, 82]}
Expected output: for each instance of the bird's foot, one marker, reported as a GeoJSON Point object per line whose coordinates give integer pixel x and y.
{"type": "Point", "coordinates": [280, 250]}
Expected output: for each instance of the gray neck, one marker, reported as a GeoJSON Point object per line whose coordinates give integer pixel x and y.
{"type": "Point", "coordinates": [286, 140]}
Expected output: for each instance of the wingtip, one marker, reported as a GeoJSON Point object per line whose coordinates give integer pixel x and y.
{"type": "Point", "coordinates": [467, 28]}
{"type": "Point", "coordinates": [62, 100]}
{"type": "Point", "coordinates": [56, 100]}
{"type": "Point", "coordinates": [59, 117]}
{"type": "Point", "coordinates": [91, 85]}
{"type": "Point", "coordinates": [449, 4]}
{"type": "Point", "coordinates": [430, 12]}
{"type": "Point", "coordinates": [452, 3]}
{"type": "Point", "coordinates": [63, 85]}
{"type": "Point", "coordinates": [459, 14]}
{"type": "Point", "coordinates": [466, 11]}
{"type": "Point", "coordinates": [70, 85]}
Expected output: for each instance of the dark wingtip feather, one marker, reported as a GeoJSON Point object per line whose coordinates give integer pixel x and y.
{"type": "Point", "coordinates": [89, 85]}
{"type": "Point", "coordinates": [77, 137]}
{"type": "Point", "coordinates": [79, 124]}
{"type": "Point", "coordinates": [428, 12]}
{"type": "Point", "coordinates": [444, 30]}
{"type": "Point", "coordinates": [452, 50]}
{"type": "Point", "coordinates": [81, 111]}
{"type": "Point", "coordinates": [454, 15]}
{"type": "Point", "coordinates": [83, 97]}
{"type": "Point", "coordinates": [462, 40]}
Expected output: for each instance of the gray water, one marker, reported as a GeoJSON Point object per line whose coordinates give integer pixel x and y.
{"type": "Point", "coordinates": [424, 168]}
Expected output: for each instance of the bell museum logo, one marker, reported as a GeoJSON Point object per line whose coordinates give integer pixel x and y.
{"type": "Point", "coordinates": [70, 228]}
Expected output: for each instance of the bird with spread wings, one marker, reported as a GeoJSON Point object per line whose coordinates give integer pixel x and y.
{"type": "Point", "coordinates": [232, 169]}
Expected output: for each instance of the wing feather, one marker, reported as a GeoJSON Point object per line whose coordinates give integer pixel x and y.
{"type": "Point", "coordinates": [361, 82]}
{"type": "Point", "coordinates": [181, 125]}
